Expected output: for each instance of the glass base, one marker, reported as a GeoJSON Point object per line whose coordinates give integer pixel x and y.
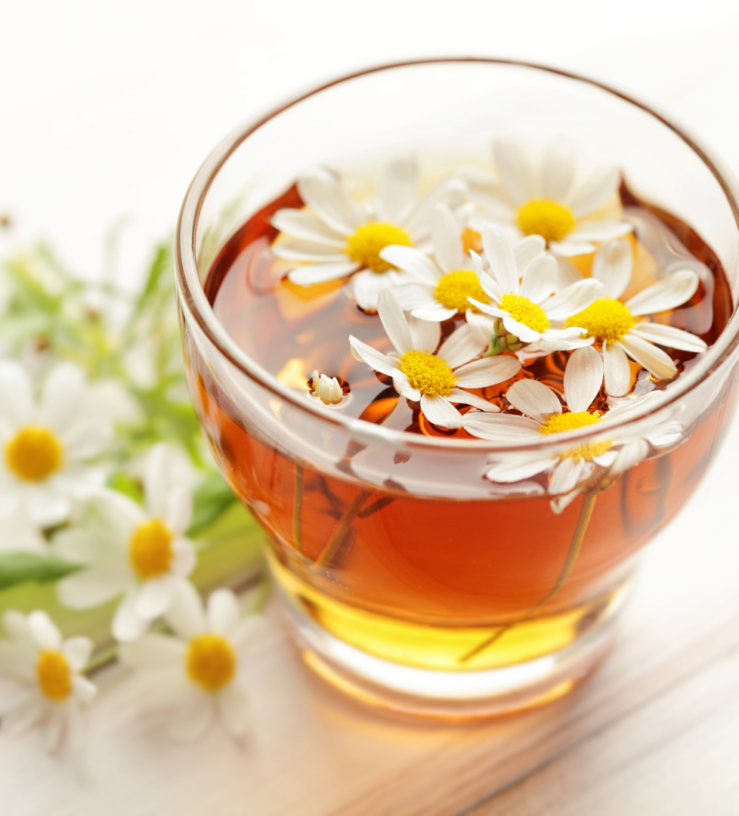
{"type": "Point", "coordinates": [446, 695]}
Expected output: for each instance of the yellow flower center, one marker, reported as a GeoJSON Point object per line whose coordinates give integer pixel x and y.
{"type": "Point", "coordinates": [604, 319]}
{"type": "Point", "coordinates": [568, 422]}
{"type": "Point", "coordinates": [428, 373]}
{"type": "Point", "coordinates": [211, 662]}
{"type": "Point", "coordinates": [34, 454]}
{"type": "Point", "coordinates": [150, 549]}
{"type": "Point", "coordinates": [365, 246]}
{"type": "Point", "coordinates": [525, 311]}
{"type": "Point", "coordinates": [455, 287]}
{"type": "Point", "coordinates": [54, 676]}
{"type": "Point", "coordinates": [542, 216]}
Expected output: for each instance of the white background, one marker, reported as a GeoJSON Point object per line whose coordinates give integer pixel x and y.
{"type": "Point", "coordinates": [107, 108]}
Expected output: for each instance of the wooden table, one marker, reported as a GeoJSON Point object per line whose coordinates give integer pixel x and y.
{"type": "Point", "coordinates": [655, 732]}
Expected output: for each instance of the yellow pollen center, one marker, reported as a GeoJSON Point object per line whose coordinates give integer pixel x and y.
{"type": "Point", "coordinates": [542, 216]}
{"type": "Point", "coordinates": [34, 454]}
{"type": "Point", "coordinates": [604, 319]}
{"type": "Point", "coordinates": [568, 422]}
{"type": "Point", "coordinates": [428, 373]}
{"type": "Point", "coordinates": [211, 662]}
{"type": "Point", "coordinates": [365, 246]}
{"type": "Point", "coordinates": [53, 676]}
{"type": "Point", "coordinates": [525, 311]}
{"type": "Point", "coordinates": [455, 287]}
{"type": "Point", "coordinates": [150, 549]}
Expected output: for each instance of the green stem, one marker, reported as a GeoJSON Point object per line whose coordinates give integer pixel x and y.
{"type": "Point", "coordinates": [586, 511]}
{"type": "Point", "coordinates": [327, 555]}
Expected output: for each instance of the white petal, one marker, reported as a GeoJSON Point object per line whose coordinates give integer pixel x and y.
{"type": "Point", "coordinates": [593, 192]}
{"type": "Point", "coordinates": [583, 378]}
{"type": "Point", "coordinates": [453, 193]}
{"type": "Point", "coordinates": [222, 612]}
{"type": "Point", "coordinates": [499, 253]}
{"type": "Point", "coordinates": [157, 482]}
{"type": "Point", "coordinates": [459, 396]}
{"type": "Point", "coordinates": [481, 327]}
{"type": "Point", "coordinates": [234, 710]}
{"type": "Point", "coordinates": [566, 475]}
{"type": "Point", "coordinates": [44, 631]}
{"type": "Point", "coordinates": [394, 322]}
{"type": "Point", "coordinates": [127, 625]}
{"type": "Point", "coordinates": [424, 335]}
{"type": "Point", "coordinates": [29, 709]}
{"type": "Point", "coordinates": [534, 399]}
{"type": "Point", "coordinates": [616, 370]}
{"type": "Point", "coordinates": [516, 170]}
{"type": "Point", "coordinates": [320, 273]}
{"type": "Point", "coordinates": [193, 718]}
{"type": "Point", "coordinates": [85, 439]}
{"type": "Point", "coordinates": [590, 231]}
{"type": "Point", "coordinates": [571, 249]}
{"type": "Point", "coordinates": [668, 336]}
{"type": "Point", "coordinates": [185, 614]}
{"type": "Point", "coordinates": [374, 359]}
{"type": "Point", "coordinates": [402, 385]}
{"type": "Point", "coordinates": [47, 504]}
{"type": "Point", "coordinates": [414, 295]}
{"type": "Point", "coordinates": [16, 396]}
{"type": "Point", "coordinates": [85, 546]}
{"type": "Point", "coordinates": [567, 274]}
{"type": "Point", "coordinates": [612, 266]}
{"type": "Point", "coordinates": [557, 173]}
{"type": "Point", "coordinates": [366, 287]}
{"type": "Point", "coordinates": [92, 587]}
{"type": "Point", "coordinates": [488, 371]}
{"type": "Point", "coordinates": [573, 299]}
{"type": "Point", "coordinates": [17, 627]}
{"type": "Point", "coordinates": [84, 690]}
{"type": "Point", "coordinates": [434, 314]}
{"type": "Point", "coordinates": [323, 193]}
{"type": "Point", "coordinates": [77, 651]}
{"type": "Point", "coordinates": [656, 361]}
{"type": "Point", "coordinates": [300, 250]}
{"type": "Point", "coordinates": [524, 333]}
{"type": "Point", "coordinates": [177, 509]}
{"type": "Point", "coordinates": [539, 278]}
{"type": "Point", "coordinates": [670, 292]}
{"type": "Point", "coordinates": [301, 224]}
{"type": "Point", "coordinates": [515, 469]}
{"type": "Point", "coordinates": [185, 557]}
{"type": "Point", "coordinates": [461, 346]}
{"type": "Point", "coordinates": [445, 236]}
{"type": "Point", "coordinates": [630, 455]}
{"type": "Point", "coordinates": [490, 286]}
{"type": "Point", "coordinates": [154, 596]}
{"type": "Point", "coordinates": [528, 248]}
{"type": "Point", "coordinates": [153, 651]}
{"type": "Point", "coordinates": [415, 263]}
{"type": "Point", "coordinates": [61, 395]}
{"type": "Point", "coordinates": [397, 190]}
{"type": "Point", "coordinates": [440, 411]}
{"type": "Point", "coordinates": [501, 428]}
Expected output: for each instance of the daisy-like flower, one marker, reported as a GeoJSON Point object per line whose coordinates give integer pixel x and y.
{"type": "Point", "coordinates": [326, 389]}
{"type": "Point", "coordinates": [195, 672]}
{"type": "Point", "coordinates": [621, 329]}
{"type": "Point", "coordinates": [547, 196]}
{"type": "Point", "coordinates": [543, 415]}
{"type": "Point", "coordinates": [519, 297]}
{"type": "Point", "coordinates": [51, 687]}
{"type": "Point", "coordinates": [45, 445]}
{"type": "Point", "coordinates": [336, 237]}
{"type": "Point", "coordinates": [443, 285]}
{"type": "Point", "coordinates": [127, 549]}
{"type": "Point", "coordinates": [439, 380]}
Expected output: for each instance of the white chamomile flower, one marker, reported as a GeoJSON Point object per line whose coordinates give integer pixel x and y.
{"type": "Point", "coordinates": [620, 328]}
{"type": "Point", "coordinates": [336, 237]}
{"type": "Point", "coordinates": [439, 380]}
{"type": "Point", "coordinates": [195, 672]}
{"type": "Point", "coordinates": [139, 552]}
{"type": "Point", "coordinates": [326, 389]}
{"type": "Point", "coordinates": [442, 285]}
{"type": "Point", "coordinates": [547, 196]}
{"type": "Point", "coordinates": [45, 445]}
{"type": "Point", "coordinates": [543, 415]}
{"type": "Point", "coordinates": [51, 687]}
{"type": "Point", "coordinates": [520, 298]}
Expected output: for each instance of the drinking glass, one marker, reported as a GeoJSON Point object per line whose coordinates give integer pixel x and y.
{"type": "Point", "coordinates": [409, 580]}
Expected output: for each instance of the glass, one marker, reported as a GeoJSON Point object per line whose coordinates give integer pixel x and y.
{"type": "Point", "coordinates": [409, 581]}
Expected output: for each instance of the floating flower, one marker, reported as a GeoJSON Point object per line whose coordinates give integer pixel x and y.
{"type": "Point", "coordinates": [46, 444]}
{"type": "Point", "coordinates": [547, 197]}
{"type": "Point", "coordinates": [435, 380]}
{"type": "Point", "coordinates": [326, 389]}
{"type": "Point", "coordinates": [196, 671]}
{"type": "Point", "coordinates": [337, 237]}
{"type": "Point", "coordinates": [519, 296]}
{"type": "Point", "coordinates": [620, 329]}
{"type": "Point", "coordinates": [543, 415]}
{"type": "Point", "coordinates": [136, 551]}
{"type": "Point", "coordinates": [52, 688]}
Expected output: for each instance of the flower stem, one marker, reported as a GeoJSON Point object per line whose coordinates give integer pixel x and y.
{"type": "Point", "coordinates": [327, 555]}
{"type": "Point", "coordinates": [298, 509]}
{"type": "Point", "coordinates": [586, 511]}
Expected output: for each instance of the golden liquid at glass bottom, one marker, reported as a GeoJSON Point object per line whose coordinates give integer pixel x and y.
{"type": "Point", "coordinates": [443, 648]}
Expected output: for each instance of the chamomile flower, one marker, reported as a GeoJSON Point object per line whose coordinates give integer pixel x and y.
{"type": "Point", "coordinates": [543, 415]}
{"type": "Point", "coordinates": [326, 389]}
{"type": "Point", "coordinates": [520, 298]}
{"type": "Point", "coordinates": [138, 552]}
{"type": "Point", "coordinates": [336, 237]}
{"type": "Point", "coordinates": [547, 196]}
{"type": "Point", "coordinates": [443, 284]}
{"type": "Point", "coordinates": [437, 381]}
{"type": "Point", "coordinates": [51, 687]}
{"type": "Point", "coordinates": [621, 329]}
{"type": "Point", "coordinates": [46, 444]}
{"type": "Point", "coordinates": [195, 671]}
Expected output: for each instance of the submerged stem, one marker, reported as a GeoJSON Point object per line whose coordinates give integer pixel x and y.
{"type": "Point", "coordinates": [586, 511]}
{"type": "Point", "coordinates": [328, 553]}
{"type": "Point", "coordinates": [298, 509]}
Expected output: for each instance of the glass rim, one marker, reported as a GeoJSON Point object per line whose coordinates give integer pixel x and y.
{"type": "Point", "coordinates": [192, 295]}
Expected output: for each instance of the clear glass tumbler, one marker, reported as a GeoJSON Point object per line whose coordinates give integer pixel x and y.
{"type": "Point", "coordinates": [410, 581]}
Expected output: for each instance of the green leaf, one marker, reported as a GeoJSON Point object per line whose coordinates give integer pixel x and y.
{"type": "Point", "coordinates": [22, 567]}
{"type": "Point", "coordinates": [162, 263]}
{"type": "Point", "coordinates": [126, 485]}
{"type": "Point", "coordinates": [210, 501]}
